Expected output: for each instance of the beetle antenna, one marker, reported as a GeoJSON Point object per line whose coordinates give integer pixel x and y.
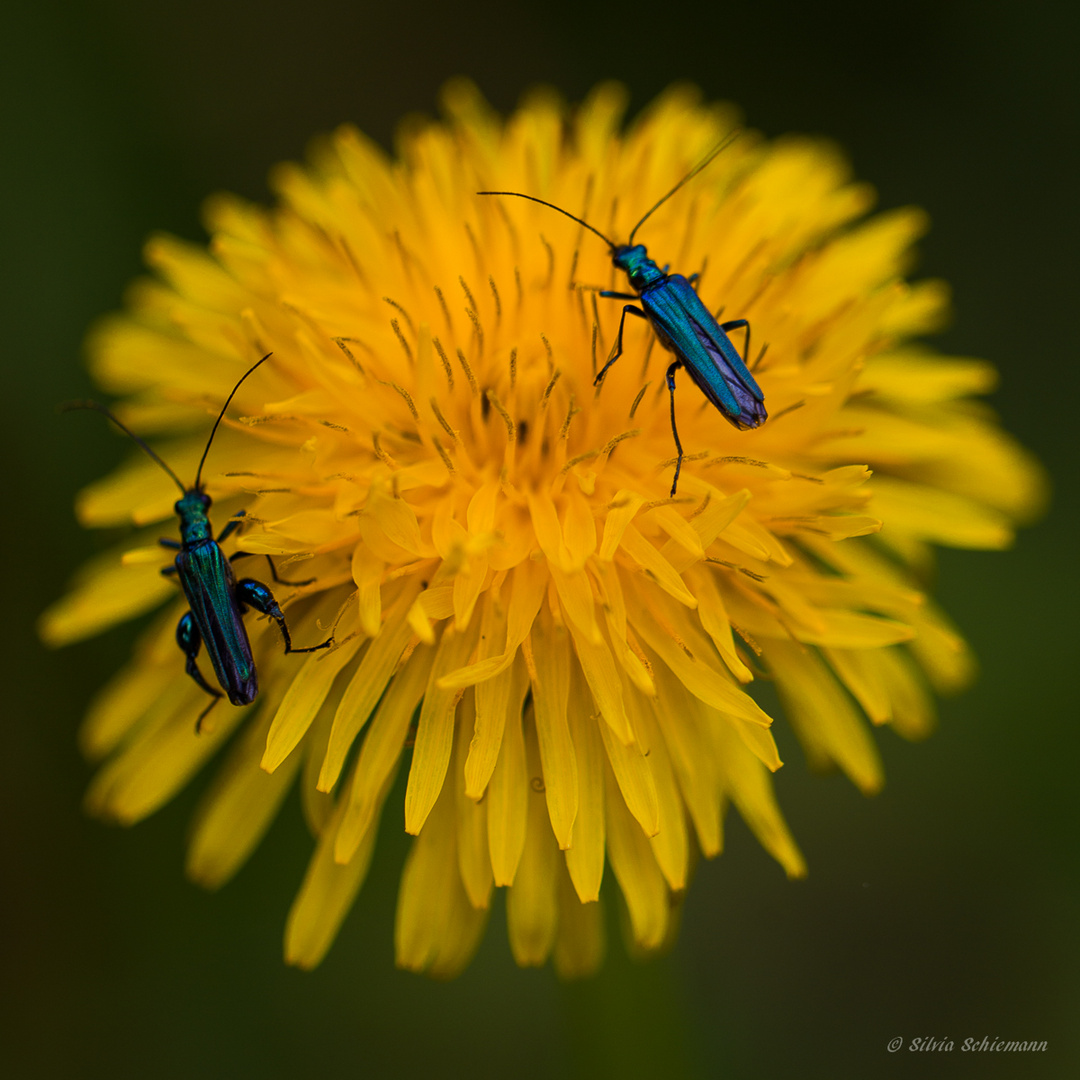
{"type": "Point", "coordinates": [202, 460]}
{"type": "Point", "coordinates": [71, 406]}
{"type": "Point", "coordinates": [533, 198]}
{"type": "Point", "coordinates": [723, 144]}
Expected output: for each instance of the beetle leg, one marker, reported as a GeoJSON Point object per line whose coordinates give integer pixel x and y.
{"type": "Point", "coordinates": [607, 294]}
{"type": "Point", "coordinates": [255, 594]}
{"type": "Point", "coordinates": [674, 431]}
{"type": "Point", "coordinates": [234, 523]}
{"type": "Point", "coordinates": [699, 274]}
{"type": "Point", "coordinates": [189, 640]}
{"type": "Point", "coordinates": [737, 324]}
{"type": "Point", "coordinates": [172, 545]}
{"type": "Point", "coordinates": [273, 570]}
{"type": "Point", "coordinates": [616, 349]}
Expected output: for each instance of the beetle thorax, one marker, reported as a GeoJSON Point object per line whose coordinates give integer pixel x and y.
{"type": "Point", "coordinates": [635, 261]}
{"type": "Point", "coordinates": [194, 523]}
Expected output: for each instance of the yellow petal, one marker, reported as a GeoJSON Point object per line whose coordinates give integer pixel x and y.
{"type": "Point", "coordinates": [823, 716]}
{"type": "Point", "coordinates": [123, 701]}
{"type": "Point", "coordinates": [138, 491]}
{"type": "Point", "coordinates": [888, 687]}
{"type": "Point", "coordinates": [550, 674]}
{"type": "Point", "coordinates": [437, 929]}
{"type": "Point", "coordinates": [507, 795]}
{"type": "Point", "coordinates": [491, 697]}
{"type": "Point", "coordinates": [635, 868]}
{"type": "Point", "coordinates": [164, 756]}
{"type": "Point", "coordinates": [750, 788]}
{"type": "Point", "coordinates": [684, 722]}
{"type": "Point", "coordinates": [381, 751]}
{"type": "Point", "coordinates": [924, 378]}
{"type": "Point", "coordinates": [107, 593]}
{"type": "Point", "coordinates": [621, 512]}
{"type": "Point", "coordinates": [548, 532]}
{"type": "Point", "coordinates": [670, 844]}
{"type": "Point", "coordinates": [938, 516]}
{"type": "Point", "coordinates": [635, 780]}
{"type": "Point", "coordinates": [474, 862]}
{"type": "Point", "coordinates": [531, 911]}
{"type": "Point", "coordinates": [367, 572]}
{"type": "Point", "coordinates": [467, 587]}
{"type": "Point", "coordinates": [860, 673]}
{"type": "Point", "coordinates": [397, 520]}
{"type": "Point", "coordinates": [307, 691]}
{"type": "Point", "coordinates": [714, 618]}
{"type": "Point", "coordinates": [365, 689]}
{"type": "Point", "coordinates": [500, 703]}
{"type": "Point", "coordinates": [579, 528]}
{"type": "Point", "coordinates": [319, 806]}
{"type": "Point", "coordinates": [685, 651]}
{"type": "Point", "coordinates": [579, 944]}
{"type": "Point", "coordinates": [238, 809]}
{"type": "Point", "coordinates": [913, 714]}
{"type": "Point", "coordinates": [578, 603]}
{"type": "Point", "coordinates": [328, 891]}
{"type": "Point", "coordinates": [685, 539]}
{"type": "Point", "coordinates": [527, 590]}
{"type": "Point", "coordinates": [614, 604]}
{"type": "Point", "coordinates": [598, 667]}
{"type": "Point", "coordinates": [435, 731]}
{"type": "Point", "coordinates": [720, 512]}
{"type": "Point", "coordinates": [748, 535]}
{"type": "Point", "coordinates": [655, 566]}
{"type": "Point", "coordinates": [585, 857]}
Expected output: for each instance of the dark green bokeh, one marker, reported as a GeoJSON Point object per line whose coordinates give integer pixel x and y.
{"type": "Point", "coordinates": [945, 907]}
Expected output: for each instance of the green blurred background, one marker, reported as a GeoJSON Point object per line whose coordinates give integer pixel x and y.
{"type": "Point", "coordinates": [945, 907]}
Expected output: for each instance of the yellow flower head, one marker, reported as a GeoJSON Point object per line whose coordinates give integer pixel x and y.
{"type": "Point", "coordinates": [558, 650]}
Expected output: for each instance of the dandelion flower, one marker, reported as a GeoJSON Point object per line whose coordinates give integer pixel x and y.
{"type": "Point", "coordinates": [560, 654]}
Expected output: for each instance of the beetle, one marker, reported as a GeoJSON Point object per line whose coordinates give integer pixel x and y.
{"type": "Point", "coordinates": [682, 324]}
{"type": "Point", "coordinates": [217, 601]}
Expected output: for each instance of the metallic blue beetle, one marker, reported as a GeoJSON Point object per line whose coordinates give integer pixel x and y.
{"type": "Point", "coordinates": [217, 600]}
{"type": "Point", "coordinates": [682, 324]}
